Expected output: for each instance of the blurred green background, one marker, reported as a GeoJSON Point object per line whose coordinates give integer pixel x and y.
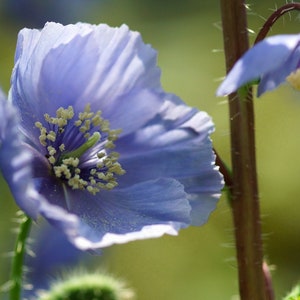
{"type": "Point", "coordinates": [200, 262]}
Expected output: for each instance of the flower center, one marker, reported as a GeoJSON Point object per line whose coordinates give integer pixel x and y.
{"type": "Point", "coordinates": [80, 150]}
{"type": "Point", "coordinates": [294, 79]}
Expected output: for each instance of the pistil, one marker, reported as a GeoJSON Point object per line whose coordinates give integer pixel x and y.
{"type": "Point", "coordinates": [68, 165]}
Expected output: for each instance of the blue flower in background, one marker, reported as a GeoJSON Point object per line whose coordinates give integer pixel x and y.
{"type": "Point", "coordinates": [34, 13]}
{"type": "Point", "coordinates": [57, 270]}
{"type": "Point", "coordinates": [115, 157]}
{"type": "Point", "coordinates": [48, 263]}
{"type": "Point", "coordinates": [270, 62]}
{"type": "Point", "coordinates": [15, 159]}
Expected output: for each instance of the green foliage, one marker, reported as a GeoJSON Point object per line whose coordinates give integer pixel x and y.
{"type": "Point", "coordinates": [243, 91]}
{"type": "Point", "coordinates": [294, 294]}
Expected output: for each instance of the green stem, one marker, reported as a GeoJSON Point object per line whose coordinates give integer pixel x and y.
{"type": "Point", "coordinates": [245, 203]}
{"type": "Point", "coordinates": [18, 259]}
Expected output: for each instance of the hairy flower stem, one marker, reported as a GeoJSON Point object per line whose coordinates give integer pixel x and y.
{"type": "Point", "coordinates": [244, 191]}
{"type": "Point", "coordinates": [18, 259]}
{"type": "Point", "coordinates": [274, 17]}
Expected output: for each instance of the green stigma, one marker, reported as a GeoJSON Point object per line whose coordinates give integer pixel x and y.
{"type": "Point", "coordinates": [66, 165]}
{"type": "Point", "coordinates": [84, 147]}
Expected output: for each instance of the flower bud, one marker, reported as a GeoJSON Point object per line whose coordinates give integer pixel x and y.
{"type": "Point", "coordinates": [82, 286]}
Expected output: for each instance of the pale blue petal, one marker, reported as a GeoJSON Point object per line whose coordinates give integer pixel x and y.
{"type": "Point", "coordinates": [146, 210]}
{"type": "Point", "coordinates": [181, 162]}
{"type": "Point", "coordinates": [270, 81]}
{"type": "Point", "coordinates": [67, 222]}
{"type": "Point", "coordinates": [16, 160]}
{"type": "Point", "coordinates": [176, 125]}
{"type": "Point", "coordinates": [84, 68]}
{"type": "Point", "coordinates": [175, 144]}
{"type": "Point", "coordinates": [267, 57]}
{"type": "Point", "coordinates": [32, 48]}
{"type": "Point", "coordinates": [202, 207]}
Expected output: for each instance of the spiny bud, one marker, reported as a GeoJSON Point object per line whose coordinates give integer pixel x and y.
{"type": "Point", "coordinates": [82, 286]}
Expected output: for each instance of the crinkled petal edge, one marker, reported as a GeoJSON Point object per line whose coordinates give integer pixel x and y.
{"type": "Point", "coordinates": [149, 231]}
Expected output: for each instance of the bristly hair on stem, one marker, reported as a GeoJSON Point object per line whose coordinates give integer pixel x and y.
{"type": "Point", "coordinates": [274, 17]}
{"type": "Point", "coordinates": [244, 202]}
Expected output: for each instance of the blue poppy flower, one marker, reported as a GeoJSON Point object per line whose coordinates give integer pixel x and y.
{"type": "Point", "coordinates": [52, 274]}
{"type": "Point", "coordinates": [115, 157]}
{"type": "Point", "coordinates": [28, 13]}
{"type": "Point", "coordinates": [48, 263]}
{"type": "Point", "coordinates": [15, 160]}
{"type": "Point", "coordinates": [270, 62]}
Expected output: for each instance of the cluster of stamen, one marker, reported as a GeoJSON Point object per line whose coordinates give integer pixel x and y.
{"type": "Point", "coordinates": [66, 163]}
{"type": "Point", "coordinates": [294, 79]}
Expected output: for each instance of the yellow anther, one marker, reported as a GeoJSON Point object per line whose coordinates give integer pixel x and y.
{"type": "Point", "coordinates": [101, 154]}
{"type": "Point", "coordinates": [66, 163]}
{"type": "Point", "coordinates": [66, 114]}
{"type": "Point", "coordinates": [110, 186]}
{"type": "Point", "coordinates": [62, 170]}
{"type": "Point", "coordinates": [92, 181]}
{"type": "Point", "coordinates": [101, 175]}
{"type": "Point", "coordinates": [51, 136]}
{"type": "Point", "coordinates": [96, 119]}
{"type": "Point", "coordinates": [52, 160]}
{"type": "Point", "coordinates": [109, 145]}
{"type": "Point", "coordinates": [83, 129]}
{"type": "Point", "coordinates": [78, 123]}
{"type": "Point", "coordinates": [62, 147]}
{"type": "Point", "coordinates": [38, 125]}
{"type": "Point", "coordinates": [294, 79]}
{"type": "Point", "coordinates": [61, 122]}
{"type": "Point", "coordinates": [51, 150]}
{"type": "Point", "coordinates": [42, 139]}
{"type": "Point", "coordinates": [71, 161]}
{"type": "Point", "coordinates": [47, 118]}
